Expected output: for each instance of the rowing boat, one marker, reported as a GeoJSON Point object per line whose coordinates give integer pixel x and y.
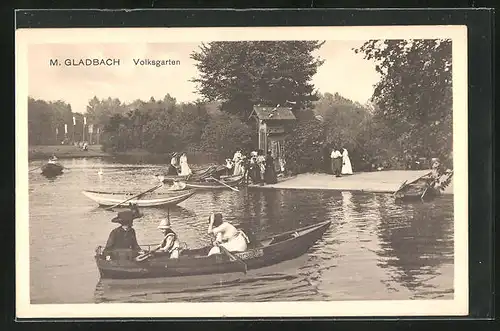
{"type": "Point", "coordinates": [210, 183]}
{"type": "Point", "coordinates": [422, 188]}
{"type": "Point", "coordinates": [121, 264]}
{"type": "Point", "coordinates": [160, 199]}
{"type": "Point", "coordinates": [52, 169]}
{"type": "Point", "coordinates": [196, 175]}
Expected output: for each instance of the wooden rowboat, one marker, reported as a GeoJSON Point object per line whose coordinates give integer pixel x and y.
{"type": "Point", "coordinates": [121, 264]}
{"type": "Point", "coordinates": [209, 183]}
{"type": "Point", "coordinates": [160, 199]}
{"type": "Point", "coordinates": [422, 188]}
{"type": "Point", "coordinates": [197, 175]}
{"type": "Point", "coordinates": [52, 169]}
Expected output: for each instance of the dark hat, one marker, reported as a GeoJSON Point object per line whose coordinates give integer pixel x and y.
{"type": "Point", "coordinates": [125, 217]}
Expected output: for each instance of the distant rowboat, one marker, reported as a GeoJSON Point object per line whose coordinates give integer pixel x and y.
{"type": "Point", "coordinates": [422, 188]}
{"type": "Point", "coordinates": [52, 169]}
{"type": "Point", "coordinates": [150, 200]}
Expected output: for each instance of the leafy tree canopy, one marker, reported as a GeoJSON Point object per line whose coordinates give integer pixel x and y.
{"type": "Point", "coordinates": [243, 74]}
{"type": "Point", "coordinates": [414, 95]}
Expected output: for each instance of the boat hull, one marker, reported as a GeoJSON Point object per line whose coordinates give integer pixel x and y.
{"type": "Point", "coordinates": [153, 200]}
{"type": "Point", "coordinates": [211, 184]}
{"type": "Point", "coordinates": [52, 169]}
{"type": "Point", "coordinates": [419, 189]}
{"type": "Point", "coordinates": [196, 263]}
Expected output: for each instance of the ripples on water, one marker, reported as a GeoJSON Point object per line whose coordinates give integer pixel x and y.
{"type": "Point", "coordinates": [375, 249]}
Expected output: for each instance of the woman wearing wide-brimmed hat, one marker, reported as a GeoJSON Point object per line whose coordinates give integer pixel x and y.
{"type": "Point", "coordinates": [170, 243]}
{"type": "Point", "coordinates": [123, 237]}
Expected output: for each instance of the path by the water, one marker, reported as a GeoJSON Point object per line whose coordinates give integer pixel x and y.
{"type": "Point", "coordinates": [377, 181]}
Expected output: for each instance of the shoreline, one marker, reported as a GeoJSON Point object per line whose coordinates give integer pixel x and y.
{"type": "Point", "coordinates": [369, 182]}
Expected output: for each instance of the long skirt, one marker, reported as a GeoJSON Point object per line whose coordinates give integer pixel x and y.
{"type": "Point", "coordinates": [337, 166]}
{"type": "Point", "coordinates": [172, 170]}
{"type": "Point", "coordinates": [270, 175]}
{"type": "Point", "coordinates": [236, 244]}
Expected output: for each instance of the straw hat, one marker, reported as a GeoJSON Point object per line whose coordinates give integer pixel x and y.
{"type": "Point", "coordinates": [124, 217]}
{"type": "Point", "coordinates": [164, 224]}
{"type": "Point", "coordinates": [434, 159]}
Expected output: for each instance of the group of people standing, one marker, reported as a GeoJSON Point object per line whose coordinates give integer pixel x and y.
{"type": "Point", "coordinates": [340, 162]}
{"type": "Point", "coordinates": [179, 165]}
{"type": "Point", "coordinates": [256, 167]}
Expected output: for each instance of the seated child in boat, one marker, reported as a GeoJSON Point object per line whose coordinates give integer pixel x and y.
{"type": "Point", "coordinates": [170, 243]}
{"type": "Point", "coordinates": [53, 159]}
{"type": "Point", "coordinates": [226, 235]}
{"type": "Point", "coordinates": [440, 177]}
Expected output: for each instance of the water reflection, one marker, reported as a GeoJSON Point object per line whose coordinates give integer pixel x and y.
{"type": "Point", "coordinates": [373, 250]}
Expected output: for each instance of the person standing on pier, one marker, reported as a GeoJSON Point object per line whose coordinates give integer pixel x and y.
{"type": "Point", "coordinates": [174, 165]}
{"type": "Point", "coordinates": [336, 157]}
{"type": "Point", "coordinates": [346, 163]}
{"type": "Point", "coordinates": [185, 170]}
{"type": "Point", "coordinates": [270, 172]}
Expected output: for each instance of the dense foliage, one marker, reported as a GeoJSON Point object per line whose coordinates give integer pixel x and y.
{"type": "Point", "coordinates": [243, 74]}
{"type": "Point", "coordinates": [414, 95]}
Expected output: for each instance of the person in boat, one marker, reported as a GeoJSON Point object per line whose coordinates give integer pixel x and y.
{"type": "Point", "coordinates": [226, 235]}
{"type": "Point", "coordinates": [270, 171]}
{"type": "Point", "coordinates": [53, 159]}
{"type": "Point", "coordinates": [174, 165]}
{"type": "Point", "coordinates": [346, 163]}
{"type": "Point", "coordinates": [439, 177]}
{"type": "Point", "coordinates": [237, 159]}
{"type": "Point", "coordinates": [229, 165]}
{"type": "Point", "coordinates": [123, 237]}
{"type": "Point", "coordinates": [170, 243]}
{"type": "Point", "coordinates": [185, 169]}
{"type": "Point", "coordinates": [336, 157]}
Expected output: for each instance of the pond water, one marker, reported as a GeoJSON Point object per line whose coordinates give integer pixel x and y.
{"type": "Point", "coordinates": [374, 249]}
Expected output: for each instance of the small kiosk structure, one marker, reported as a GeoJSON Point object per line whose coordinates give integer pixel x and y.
{"type": "Point", "coordinates": [273, 125]}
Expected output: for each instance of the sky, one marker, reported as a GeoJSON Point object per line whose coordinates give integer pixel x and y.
{"type": "Point", "coordinates": [343, 71]}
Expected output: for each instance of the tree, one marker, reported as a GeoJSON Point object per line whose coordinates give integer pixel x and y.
{"type": "Point", "coordinates": [243, 74]}
{"type": "Point", "coordinates": [414, 95]}
{"type": "Point", "coordinates": [226, 133]}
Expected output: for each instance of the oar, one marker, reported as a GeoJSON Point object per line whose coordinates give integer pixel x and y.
{"type": "Point", "coordinates": [147, 255]}
{"type": "Point", "coordinates": [400, 187]}
{"type": "Point", "coordinates": [234, 257]}
{"type": "Point", "coordinates": [218, 181]}
{"type": "Point", "coordinates": [135, 196]}
{"type": "Point", "coordinates": [35, 168]}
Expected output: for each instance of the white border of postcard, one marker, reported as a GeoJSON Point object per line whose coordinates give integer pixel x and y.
{"type": "Point", "coordinates": [457, 306]}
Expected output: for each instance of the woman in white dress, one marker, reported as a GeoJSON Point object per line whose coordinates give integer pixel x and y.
{"type": "Point", "coordinates": [237, 159]}
{"type": "Point", "coordinates": [346, 163]}
{"type": "Point", "coordinates": [185, 170]}
{"type": "Point", "coordinates": [226, 235]}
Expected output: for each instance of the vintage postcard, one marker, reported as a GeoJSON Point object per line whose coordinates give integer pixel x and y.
{"type": "Point", "coordinates": [239, 172]}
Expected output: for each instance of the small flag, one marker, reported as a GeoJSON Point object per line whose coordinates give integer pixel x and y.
{"type": "Point", "coordinates": [84, 120]}
{"type": "Point", "coordinates": [74, 120]}
{"type": "Point", "coordinates": [65, 128]}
